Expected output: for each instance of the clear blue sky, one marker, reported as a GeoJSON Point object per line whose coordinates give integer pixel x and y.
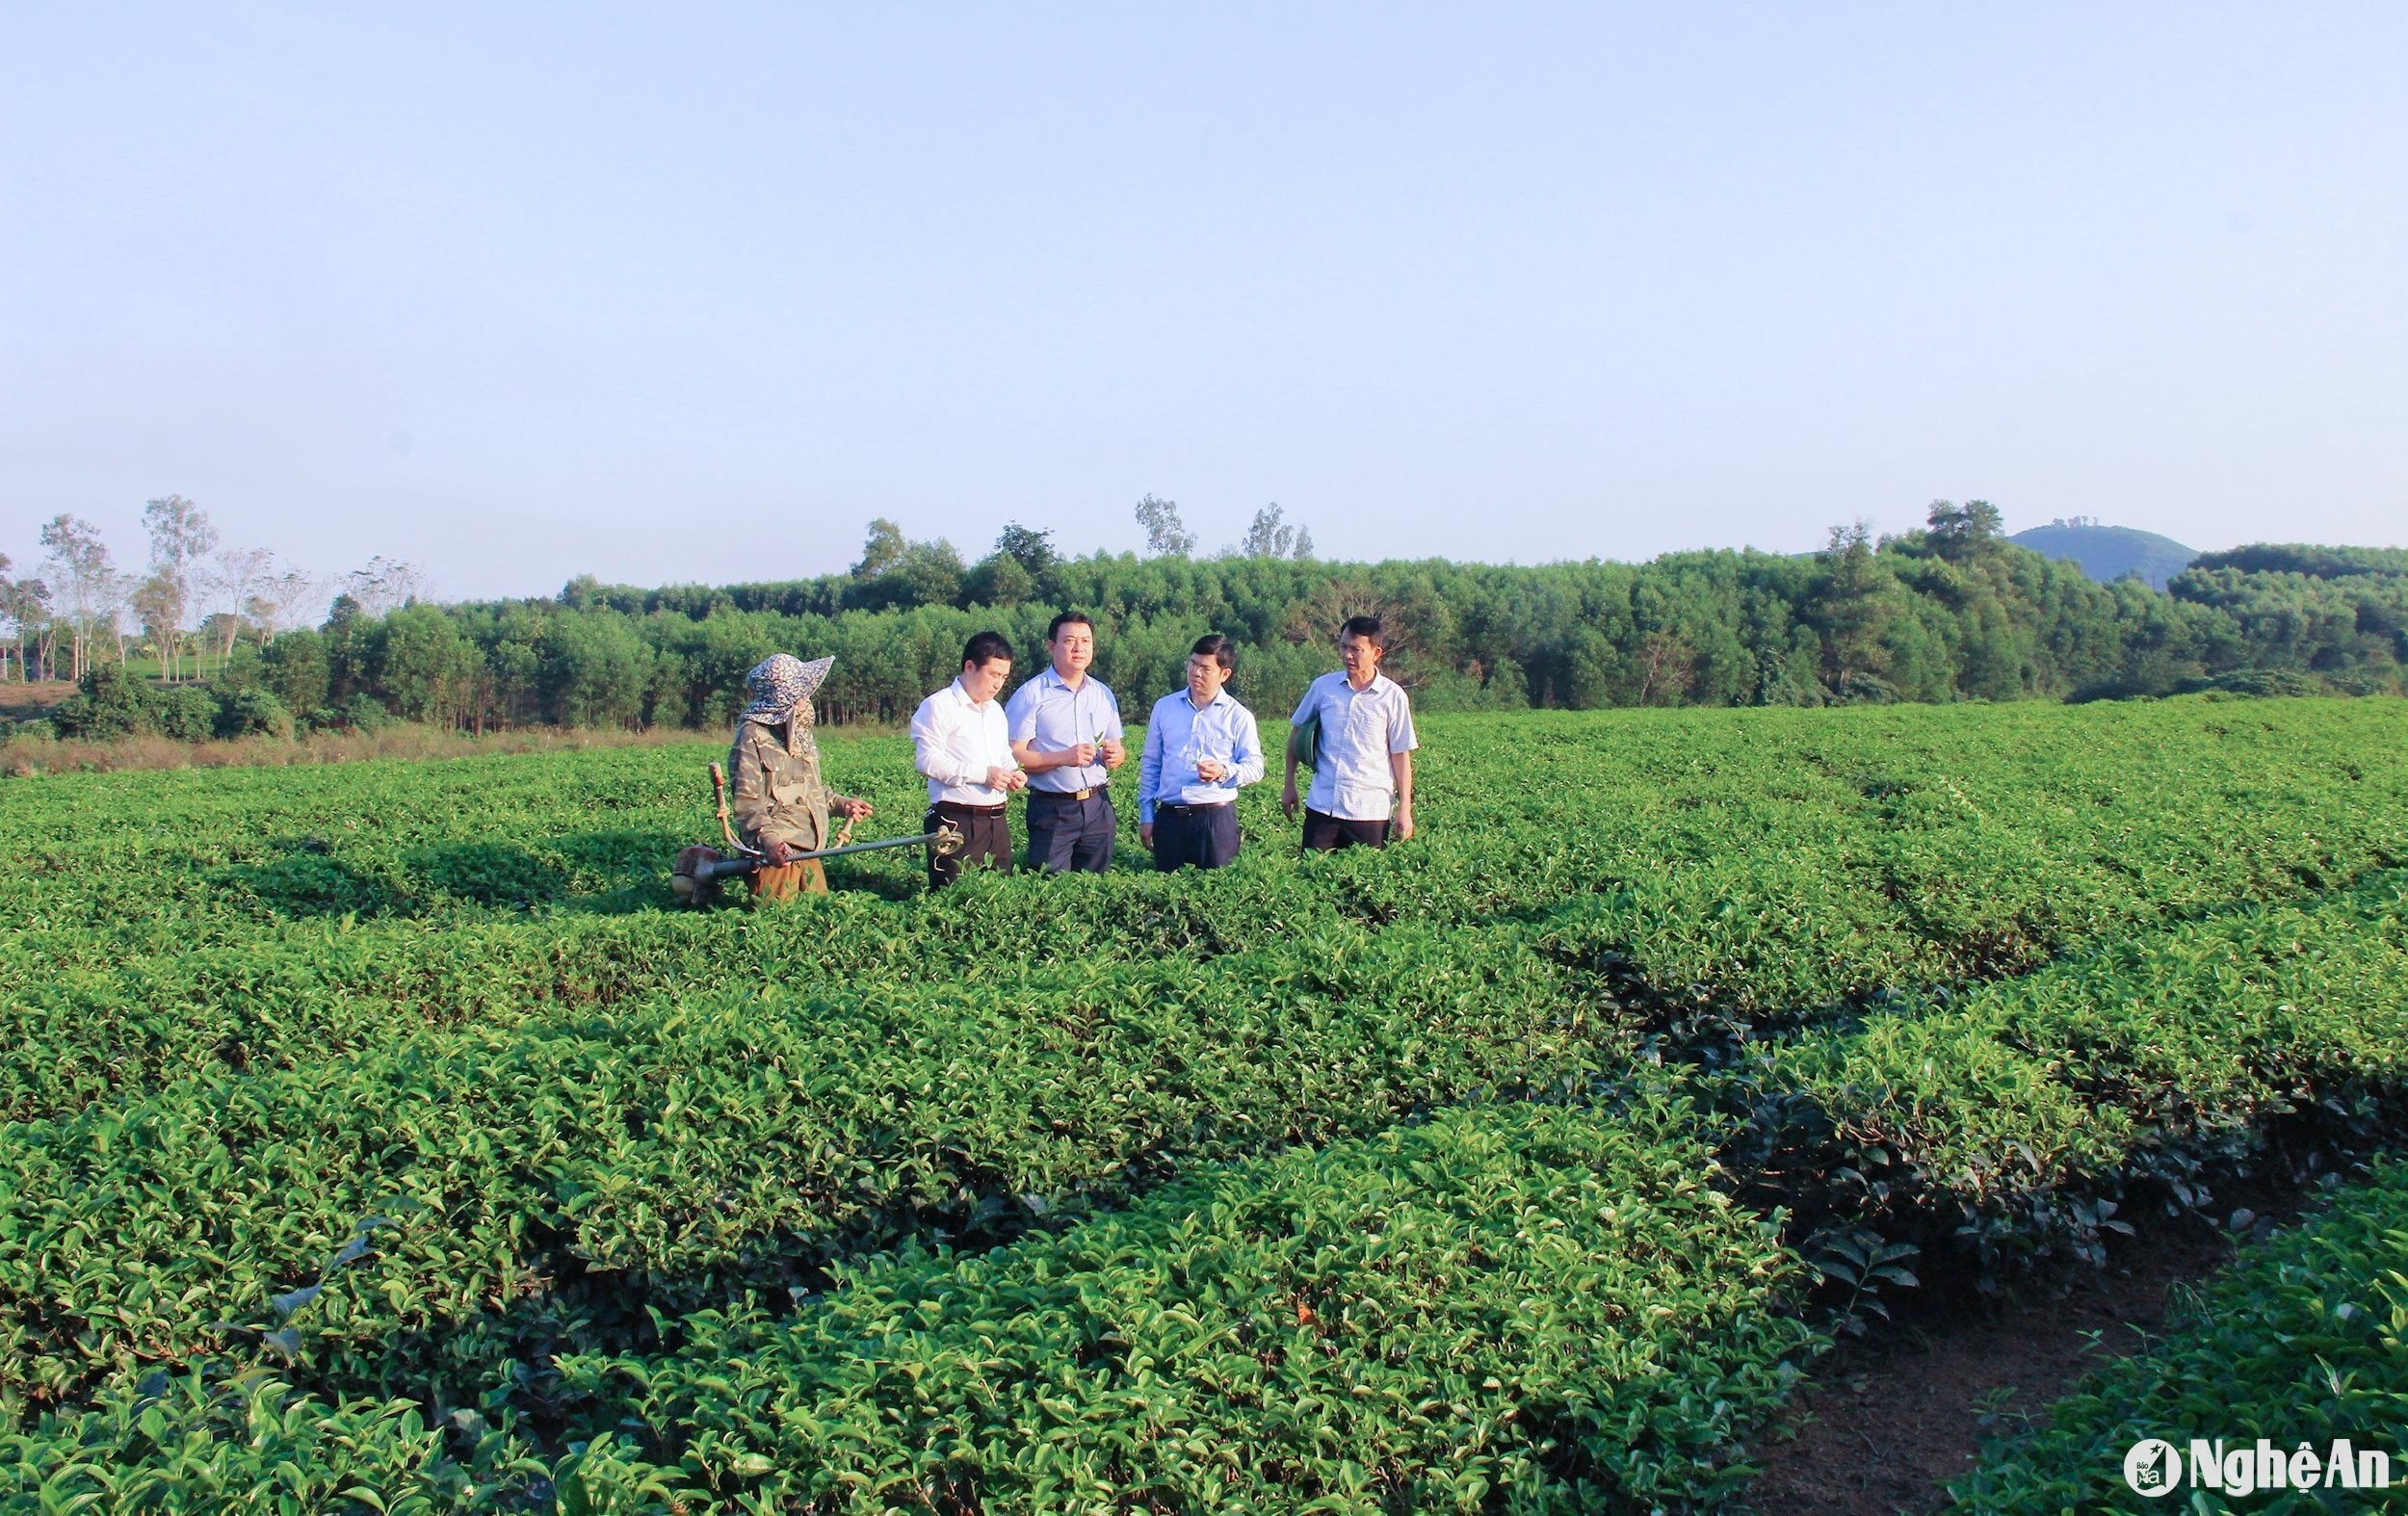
{"type": "Point", "coordinates": [518, 292]}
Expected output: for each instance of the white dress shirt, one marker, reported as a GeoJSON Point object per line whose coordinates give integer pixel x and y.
{"type": "Point", "coordinates": [953, 743]}
{"type": "Point", "coordinates": [1361, 729]}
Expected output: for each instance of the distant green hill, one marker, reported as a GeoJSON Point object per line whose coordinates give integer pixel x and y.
{"type": "Point", "coordinates": [2109, 553]}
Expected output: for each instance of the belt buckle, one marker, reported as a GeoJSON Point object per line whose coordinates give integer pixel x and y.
{"type": "Point", "coordinates": [1083, 795]}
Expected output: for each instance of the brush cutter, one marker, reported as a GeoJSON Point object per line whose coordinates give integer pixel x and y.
{"type": "Point", "coordinates": [699, 870]}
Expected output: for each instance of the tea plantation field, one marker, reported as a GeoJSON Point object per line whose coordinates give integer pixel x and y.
{"type": "Point", "coordinates": [379, 1138]}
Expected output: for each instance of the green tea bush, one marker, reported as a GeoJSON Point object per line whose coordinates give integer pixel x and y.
{"type": "Point", "coordinates": [185, 713]}
{"type": "Point", "coordinates": [552, 1182]}
{"type": "Point", "coordinates": [2008, 1112]}
{"type": "Point", "coordinates": [194, 1445]}
{"type": "Point", "coordinates": [205, 1442]}
{"type": "Point", "coordinates": [1523, 1308]}
{"type": "Point", "coordinates": [253, 713]}
{"type": "Point", "coordinates": [1763, 864]}
{"type": "Point", "coordinates": [108, 702]}
{"type": "Point", "coordinates": [1987, 969]}
{"type": "Point", "coordinates": [1539, 1307]}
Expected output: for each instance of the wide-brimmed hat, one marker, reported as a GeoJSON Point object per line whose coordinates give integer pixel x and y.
{"type": "Point", "coordinates": [780, 682]}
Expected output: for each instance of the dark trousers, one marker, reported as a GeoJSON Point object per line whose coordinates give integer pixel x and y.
{"type": "Point", "coordinates": [985, 836]}
{"type": "Point", "coordinates": [1203, 835]}
{"type": "Point", "coordinates": [1067, 833]}
{"type": "Point", "coordinates": [1328, 833]}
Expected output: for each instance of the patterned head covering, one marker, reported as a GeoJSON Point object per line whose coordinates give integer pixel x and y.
{"type": "Point", "coordinates": [780, 682]}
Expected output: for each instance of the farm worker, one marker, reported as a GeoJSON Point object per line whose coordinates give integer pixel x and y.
{"type": "Point", "coordinates": [1065, 731]}
{"type": "Point", "coordinates": [1201, 747]}
{"type": "Point", "coordinates": [780, 804]}
{"type": "Point", "coordinates": [1363, 777]}
{"type": "Point", "coordinates": [961, 745]}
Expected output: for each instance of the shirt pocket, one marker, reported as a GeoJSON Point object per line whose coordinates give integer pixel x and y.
{"type": "Point", "coordinates": [789, 793]}
{"type": "Point", "coordinates": [1366, 732]}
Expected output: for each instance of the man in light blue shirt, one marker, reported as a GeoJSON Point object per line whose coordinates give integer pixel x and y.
{"type": "Point", "coordinates": [1363, 770]}
{"type": "Point", "coordinates": [1065, 731]}
{"type": "Point", "coordinates": [1201, 747]}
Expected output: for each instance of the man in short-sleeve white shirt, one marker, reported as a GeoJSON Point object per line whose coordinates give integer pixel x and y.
{"type": "Point", "coordinates": [1065, 731]}
{"type": "Point", "coordinates": [1362, 792]}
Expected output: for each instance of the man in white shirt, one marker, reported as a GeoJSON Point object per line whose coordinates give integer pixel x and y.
{"type": "Point", "coordinates": [1065, 731]}
{"type": "Point", "coordinates": [1201, 747]}
{"type": "Point", "coordinates": [1363, 777]}
{"type": "Point", "coordinates": [960, 746]}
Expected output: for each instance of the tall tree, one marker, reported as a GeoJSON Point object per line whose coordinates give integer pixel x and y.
{"type": "Point", "coordinates": [1029, 548]}
{"type": "Point", "coordinates": [87, 581]}
{"type": "Point", "coordinates": [241, 575]}
{"type": "Point", "coordinates": [386, 584]}
{"type": "Point", "coordinates": [158, 606]}
{"type": "Point", "coordinates": [1962, 532]}
{"type": "Point", "coordinates": [282, 601]}
{"type": "Point", "coordinates": [1848, 608]}
{"type": "Point", "coordinates": [1270, 536]}
{"type": "Point", "coordinates": [36, 629]}
{"type": "Point", "coordinates": [1165, 535]}
{"type": "Point", "coordinates": [881, 550]}
{"type": "Point", "coordinates": [180, 537]}
{"type": "Point", "coordinates": [10, 621]}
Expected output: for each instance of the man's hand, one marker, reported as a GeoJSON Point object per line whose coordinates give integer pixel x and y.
{"type": "Point", "coordinates": [1212, 771]}
{"type": "Point", "coordinates": [1079, 757]}
{"type": "Point", "coordinates": [1000, 778]}
{"type": "Point", "coordinates": [852, 810]}
{"type": "Point", "coordinates": [1145, 835]}
{"type": "Point", "coordinates": [1114, 753]}
{"type": "Point", "coordinates": [775, 853]}
{"type": "Point", "coordinates": [1402, 827]}
{"type": "Point", "coordinates": [1287, 800]}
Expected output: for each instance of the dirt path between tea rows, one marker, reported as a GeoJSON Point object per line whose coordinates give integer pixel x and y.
{"type": "Point", "coordinates": [1882, 1425]}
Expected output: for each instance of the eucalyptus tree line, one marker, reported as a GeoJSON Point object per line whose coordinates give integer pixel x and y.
{"type": "Point", "coordinates": [1951, 612]}
{"type": "Point", "coordinates": [196, 594]}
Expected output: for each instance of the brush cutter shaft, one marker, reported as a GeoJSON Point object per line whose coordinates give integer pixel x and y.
{"type": "Point", "coordinates": [945, 839]}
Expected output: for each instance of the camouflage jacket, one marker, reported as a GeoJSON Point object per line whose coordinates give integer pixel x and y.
{"type": "Point", "coordinates": [777, 793]}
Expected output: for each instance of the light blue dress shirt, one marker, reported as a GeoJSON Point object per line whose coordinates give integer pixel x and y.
{"type": "Point", "coordinates": [1178, 737]}
{"type": "Point", "coordinates": [1361, 730]}
{"type": "Point", "coordinates": [1052, 717]}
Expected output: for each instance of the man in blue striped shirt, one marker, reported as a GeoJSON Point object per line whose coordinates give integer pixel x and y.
{"type": "Point", "coordinates": [1201, 747]}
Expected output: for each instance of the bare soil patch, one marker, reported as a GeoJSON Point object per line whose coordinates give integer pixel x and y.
{"type": "Point", "coordinates": [1885, 1422]}
{"type": "Point", "coordinates": [23, 702]}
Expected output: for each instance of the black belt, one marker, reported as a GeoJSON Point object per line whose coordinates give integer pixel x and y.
{"type": "Point", "coordinates": [1188, 810]}
{"type": "Point", "coordinates": [1088, 794]}
{"type": "Point", "coordinates": [966, 809]}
